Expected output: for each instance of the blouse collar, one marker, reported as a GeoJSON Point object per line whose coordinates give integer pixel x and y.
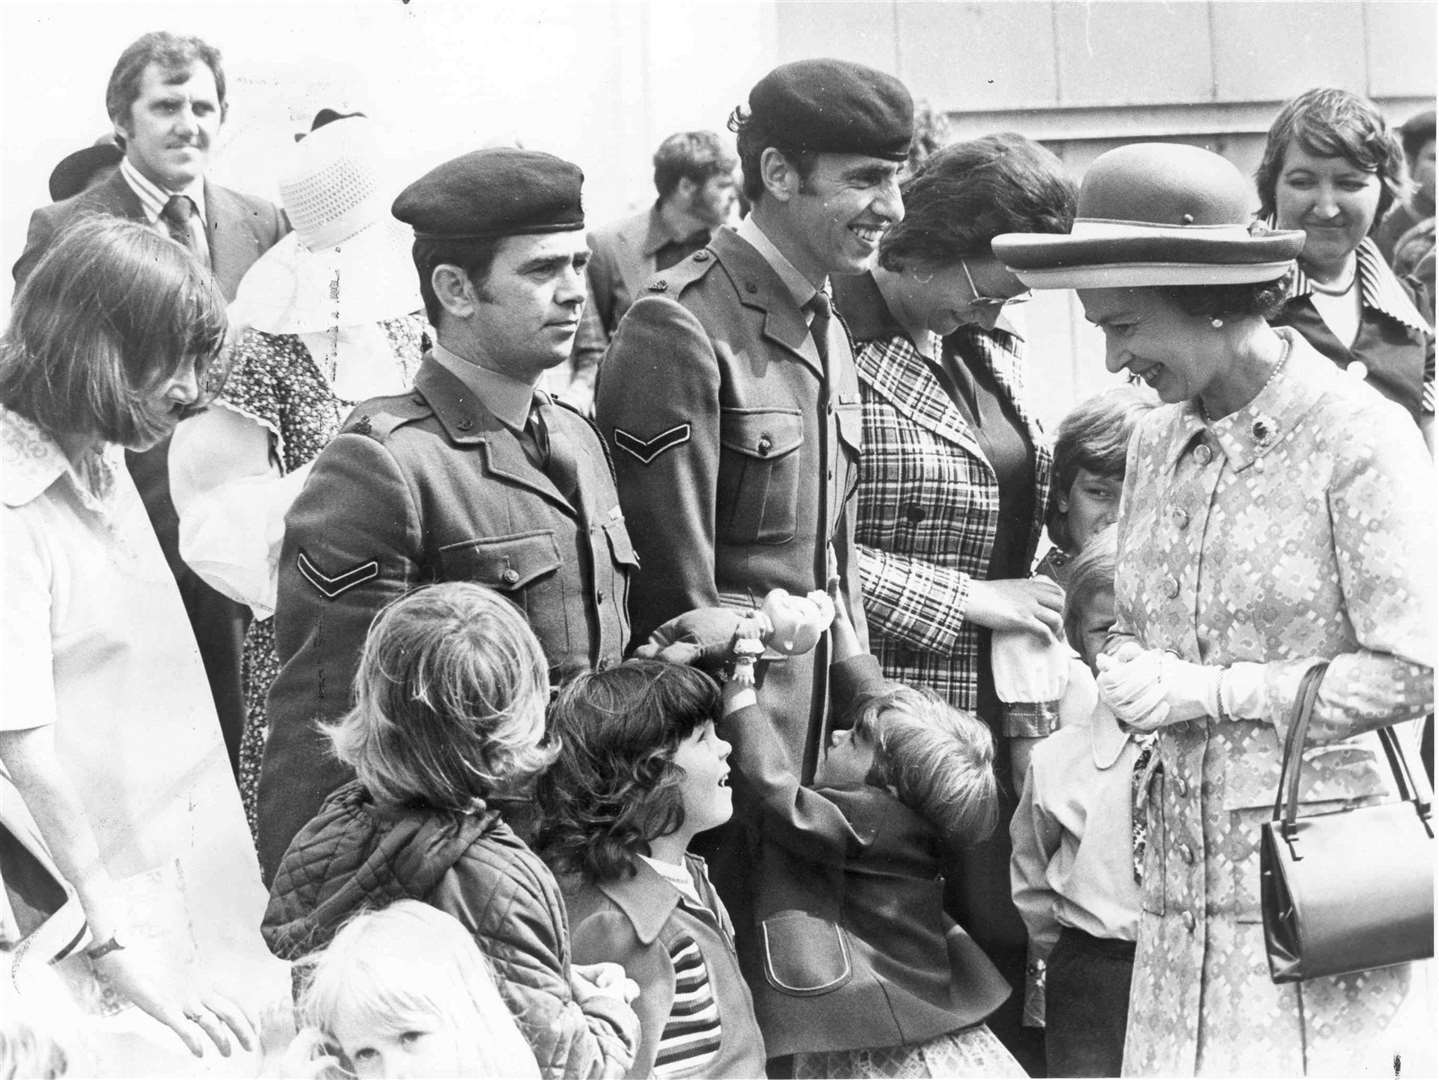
{"type": "Point", "coordinates": [33, 461]}
{"type": "Point", "coordinates": [1379, 289]}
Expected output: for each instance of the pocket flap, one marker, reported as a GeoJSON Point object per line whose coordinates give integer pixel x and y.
{"type": "Point", "coordinates": [620, 546]}
{"type": "Point", "coordinates": [804, 955]}
{"type": "Point", "coordinates": [506, 563]}
{"type": "Point", "coordinates": [1352, 769]}
{"type": "Point", "coordinates": [761, 433]}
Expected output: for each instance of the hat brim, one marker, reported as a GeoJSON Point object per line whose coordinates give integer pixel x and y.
{"type": "Point", "coordinates": [69, 176]}
{"type": "Point", "coordinates": [1053, 261]}
{"type": "Point", "coordinates": [370, 277]}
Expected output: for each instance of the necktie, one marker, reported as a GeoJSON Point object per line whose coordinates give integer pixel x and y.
{"type": "Point", "coordinates": [184, 226]}
{"type": "Point", "coordinates": [557, 455]}
{"type": "Point", "coordinates": [822, 313]}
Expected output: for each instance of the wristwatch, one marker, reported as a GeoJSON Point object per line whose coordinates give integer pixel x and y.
{"type": "Point", "coordinates": [104, 948]}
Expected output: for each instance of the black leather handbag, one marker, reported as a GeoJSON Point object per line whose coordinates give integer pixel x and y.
{"type": "Point", "coordinates": [1350, 890]}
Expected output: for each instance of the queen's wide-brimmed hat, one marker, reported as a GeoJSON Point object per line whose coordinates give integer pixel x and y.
{"type": "Point", "coordinates": [1154, 214]}
{"type": "Point", "coordinates": [347, 262]}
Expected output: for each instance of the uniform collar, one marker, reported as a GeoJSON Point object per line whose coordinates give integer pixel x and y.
{"type": "Point", "coordinates": [795, 283]}
{"type": "Point", "coordinates": [1379, 289]}
{"type": "Point", "coordinates": [153, 197]}
{"type": "Point", "coordinates": [33, 461]}
{"type": "Point", "coordinates": [507, 398]}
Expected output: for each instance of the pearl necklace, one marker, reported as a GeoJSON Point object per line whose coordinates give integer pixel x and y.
{"type": "Point", "coordinates": [1273, 374]}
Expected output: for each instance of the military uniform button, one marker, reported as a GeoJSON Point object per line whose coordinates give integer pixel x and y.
{"type": "Point", "coordinates": [751, 288]}
{"type": "Point", "coordinates": [764, 446]}
{"type": "Point", "coordinates": [701, 256]}
{"type": "Point", "coordinates": [1203, 454]}
{"type": "Point", "coordinates": [465, 422]}
{"type": "Point", "coordinates": [1171, 588]}
{"type": "Point", "coordinates": [659, 286]}
{"type": "Point", "coordinates": [362, 425]}
{"type": "Point", "coordinates": [1187, 918]}
{"type": "Point", "coordinates": [510, 576]}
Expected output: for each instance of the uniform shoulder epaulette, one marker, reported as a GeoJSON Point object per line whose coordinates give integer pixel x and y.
{"type": "Point", "coordinates": [380, 417]}
{"type": "Point", "coordinates": [682, 274]}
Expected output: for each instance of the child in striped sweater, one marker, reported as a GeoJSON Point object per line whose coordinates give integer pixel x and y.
{"type": "Point", "coordinates": [640, 772]}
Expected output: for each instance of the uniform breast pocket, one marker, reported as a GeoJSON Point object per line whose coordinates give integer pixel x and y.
{"type": "Point", "coordinates": [624, 561]}
{"type": "Point", "coordinates": [524, 566]}
{"type": "Point", "coordinates": [759, 482]}
{"type": "Point", "coordinates": [849, 422]}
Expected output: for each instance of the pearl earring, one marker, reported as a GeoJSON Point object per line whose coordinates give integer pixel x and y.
{"type": "Point", "coordinates": [1217, 323]}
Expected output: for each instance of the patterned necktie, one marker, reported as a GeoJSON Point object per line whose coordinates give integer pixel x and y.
{"type": "Point", "coordinates": [183, 225]}
{"type": "Point", "coordinates": [822, 313]}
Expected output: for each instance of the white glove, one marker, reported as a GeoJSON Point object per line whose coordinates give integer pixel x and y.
{"type": "Point", "coordinates": [1149, 688]}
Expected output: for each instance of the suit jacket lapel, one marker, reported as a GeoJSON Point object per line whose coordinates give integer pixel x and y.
{"type": "Point", "coordinates": [761, 289]}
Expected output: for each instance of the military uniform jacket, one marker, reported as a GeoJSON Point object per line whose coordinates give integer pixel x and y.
{"type": "Point", "coordinates": [425, 487]}
{"type": "Point", "coordinates": [736, 454]}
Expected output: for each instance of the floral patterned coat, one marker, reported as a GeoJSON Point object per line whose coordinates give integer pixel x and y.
{"type": "Point", "coordinates": [1299, 528]}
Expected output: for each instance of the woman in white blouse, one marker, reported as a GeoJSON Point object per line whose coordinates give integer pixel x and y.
{"type": "Point", "coordinates": [330, 318]}
{"type": "Point", "coordinates": [108, 730]}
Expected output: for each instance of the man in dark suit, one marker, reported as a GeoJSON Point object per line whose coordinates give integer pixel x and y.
{"type": "Point", "coordinates": [166, 98]}
{"type": "Point", "coordinates": [729, 395]}
{"type": "Point", "coordinates": [472, 476]}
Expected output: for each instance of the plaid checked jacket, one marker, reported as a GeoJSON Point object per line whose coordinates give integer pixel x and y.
{"type": "Point", "coordinates": [928, 501]}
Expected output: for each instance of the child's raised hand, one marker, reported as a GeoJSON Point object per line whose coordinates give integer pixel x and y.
{"type": "Point", "coordinates": [604, 979]}
{"type": "Point", "coordinates": [846, 641]}
{"type": "Point", "coordinates": [310, 1056]}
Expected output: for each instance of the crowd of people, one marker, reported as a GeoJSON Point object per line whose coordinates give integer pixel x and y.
{"type": "Point", "coordinates": [514, 645]}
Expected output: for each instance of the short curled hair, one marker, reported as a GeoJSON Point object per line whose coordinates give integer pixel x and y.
{"type": "Point", "coordinates": [1091, 573]}
{"type": "Point", "coordinates": [1416, 133]}
{"type": "Point", "coordinates": [967, 193]}
{"type": "Point", "coordinates": [938, 759]}
{"type": "Point", "coordinates": [174, 54]}
{"type": "Point", "coordinates": [1246, 300]}
{"type": "Point", "coordinates": [1328, 122]}
{"type": "Point", "coordinates": [751, 139]}
{"type": "Point", "coordinates": [690, 155]}
{"type": "Point", "coordinates": [449, 701]}
{"type": "Point", "coordinates": [615, 786]}
{"type": "Point", "coordinates": [1093, 436]}
{"type": "Point", "coordinates": [107, 315]}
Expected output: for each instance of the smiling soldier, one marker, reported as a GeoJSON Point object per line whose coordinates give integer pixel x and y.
{"type": "Point", "coordinates": [472, 476]}
{"type": "Point", "coordinates": [729, 395]}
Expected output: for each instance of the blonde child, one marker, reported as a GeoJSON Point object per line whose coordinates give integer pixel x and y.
{"type": "Point", "coordinates": [855, 968]}
{"type": "Point", "coordinates": [404, 992]}
{"type": "Point", "coordinates": [449, 713]}
{"type": "Point", "coordinates": [640, 773]}
{"type": "Point", "coordinates": [1073, 867]}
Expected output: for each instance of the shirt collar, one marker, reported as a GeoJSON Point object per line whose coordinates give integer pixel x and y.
{"type": "Point", "coordinates": [1379, 289]}
{"type": "Point", "coordinates": [795, 283]}
{"type": "Point", "coordinates": [646, 899]}
{"type": "Point", "coordinates": [1107, 739]}
{"type": "Point", "coordinates": [659, 234]}
{"type": "Point", "coordinates": [508, 398]}
{"type": "Point", "coordinates": [153, 197]}
{"type": "Point", "coordinates": [33, 461]}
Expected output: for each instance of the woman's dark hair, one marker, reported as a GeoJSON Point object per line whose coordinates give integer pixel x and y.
{"type": "Point", "coordinates": [966, 194]}
{"type": "Point", "coordinates": [1334, 123]}
{"type": "Point", "coordinates": [1262, 298]}
{"type": "Point", "coordinates": [615, 785]}
{"type": "Point", "coordinates": [1093, 436]}
{"type": "Point", "coordinates": [751, 139]}
{"type": "Point", "coordinates": [109, 313]}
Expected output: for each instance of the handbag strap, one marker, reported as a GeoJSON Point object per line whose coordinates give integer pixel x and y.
{"type": "Point", "coordinates": [1286, 798]}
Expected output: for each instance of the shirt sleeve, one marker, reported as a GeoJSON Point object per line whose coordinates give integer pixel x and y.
{"type": "Point", "coordinates": [232, 502]}
{"type": "Point", "coordinates": [1035, 835]}
{"type": "Point", "coordinates": [912, 600]}
{"type": "Point", "coordinates": [27, 661]}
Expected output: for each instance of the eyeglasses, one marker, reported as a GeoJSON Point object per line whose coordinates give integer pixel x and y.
{"type": "Point", "coordinates": [993, 302]}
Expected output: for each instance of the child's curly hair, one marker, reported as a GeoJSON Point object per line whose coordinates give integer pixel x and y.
{"type": "Point", "coordinates": [939, 760]}
{"type": "Point", "coordinates": [614, 786]}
